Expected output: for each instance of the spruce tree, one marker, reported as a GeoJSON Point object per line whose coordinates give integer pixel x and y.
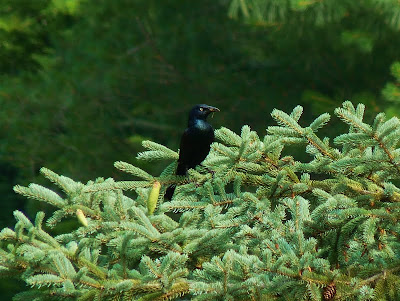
{"type": "Point", "coordinates": [251, 223]}
{"type": "Point", "coordinates": [274, 12]}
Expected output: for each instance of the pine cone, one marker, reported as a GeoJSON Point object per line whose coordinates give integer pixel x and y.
{"type": "Point", "coordinates": [329, 291]}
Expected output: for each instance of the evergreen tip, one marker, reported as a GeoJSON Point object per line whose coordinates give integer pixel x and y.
{"type": "Point", "coordinates": [81, 217]}
{"type": "Point", "coordinates": [153, 197]}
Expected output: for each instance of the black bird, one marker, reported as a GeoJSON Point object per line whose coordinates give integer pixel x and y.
{"type": "Point", "coordinates": [195, 142]}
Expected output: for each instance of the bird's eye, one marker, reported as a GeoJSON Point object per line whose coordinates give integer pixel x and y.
{"type": "Point", "coordinates": [201, 109]}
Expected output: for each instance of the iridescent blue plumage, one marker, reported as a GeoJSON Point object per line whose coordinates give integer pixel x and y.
{"type": "Point", "coordinates": [195, 141]}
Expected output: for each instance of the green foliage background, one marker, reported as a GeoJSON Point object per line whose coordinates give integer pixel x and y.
{"type": "Point", "coordinates": [83, 82]}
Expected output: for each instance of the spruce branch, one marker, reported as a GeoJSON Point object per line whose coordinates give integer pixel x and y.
{"type": "Point", "coordinates": [378, 135]}
{"type": "Point", "coordinates": [251, 223]}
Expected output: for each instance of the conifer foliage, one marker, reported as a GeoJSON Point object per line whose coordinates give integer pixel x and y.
{"type": "Point", "coordinates": [252, 223]}
{"type": "Point", "coordinates": [273, 12]}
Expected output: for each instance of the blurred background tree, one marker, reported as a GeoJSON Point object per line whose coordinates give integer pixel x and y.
{"type": "Point", "coordinates": [84, 82]}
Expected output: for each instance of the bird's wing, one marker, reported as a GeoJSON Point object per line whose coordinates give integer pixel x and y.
{"type": "Point", "coordinates": [185, 152]}
{"type": "Point", "coordinates": [194, 147]}
{"type": "Point", "coordinates": [187, 145]}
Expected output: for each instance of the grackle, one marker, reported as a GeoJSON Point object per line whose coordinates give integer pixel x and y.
{"type": "Point", "coordinates": [195, 142]}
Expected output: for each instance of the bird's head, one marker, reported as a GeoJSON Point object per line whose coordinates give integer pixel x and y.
{"type": "Point", "coordinates": [201, 111]}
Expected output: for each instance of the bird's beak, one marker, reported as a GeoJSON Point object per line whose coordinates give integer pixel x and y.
{"type": "Point", "coordinates": [212, 109]}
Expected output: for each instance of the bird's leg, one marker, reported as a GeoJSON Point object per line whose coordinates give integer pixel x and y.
{"type": "Point", "coordinates": [212, 172]}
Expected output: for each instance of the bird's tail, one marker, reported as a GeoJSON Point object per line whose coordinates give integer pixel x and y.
{"type": "Point", "coordinates": [170, 192]}
{"type": "Point", "coordinates": [181, 170]}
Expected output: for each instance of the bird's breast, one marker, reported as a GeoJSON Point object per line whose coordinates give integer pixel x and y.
{"type": "Point", "coordinates": [202, 128]}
